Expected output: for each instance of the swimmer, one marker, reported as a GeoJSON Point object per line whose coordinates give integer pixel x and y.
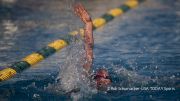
{"type": "Point", "coordinates": [101, 77]}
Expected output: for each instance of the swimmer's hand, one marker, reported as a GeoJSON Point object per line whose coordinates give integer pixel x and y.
{"type": "Point", "coordinates": [82, 13]}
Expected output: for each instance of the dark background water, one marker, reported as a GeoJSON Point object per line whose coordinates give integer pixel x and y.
{"type": "Point", "coordinates": [140, 48]}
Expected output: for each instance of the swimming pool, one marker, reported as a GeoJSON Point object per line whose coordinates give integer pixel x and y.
{"type": "Point", "coordinates": [140, 48]}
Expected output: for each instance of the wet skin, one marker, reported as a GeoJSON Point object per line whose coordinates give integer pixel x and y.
{"type": "Point", "coordinates": [88, 34]}
{"type": "Point", "coordinates": [102, 74]}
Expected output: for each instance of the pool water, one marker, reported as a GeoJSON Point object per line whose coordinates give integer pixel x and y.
{"type": "Point", "coordinates": [140, 49]}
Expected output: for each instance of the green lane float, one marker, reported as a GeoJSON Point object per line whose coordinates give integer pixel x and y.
{"type": "Point", "coordinates": [32, 59]}
{"type": "Point", "coordinates": [57, 45]}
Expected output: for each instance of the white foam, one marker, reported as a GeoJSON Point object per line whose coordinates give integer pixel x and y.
{"type": "Point", "coordinates": [72, 75]}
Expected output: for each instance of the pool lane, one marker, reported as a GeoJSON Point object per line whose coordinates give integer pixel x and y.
{"type": "Point", "coordinates": [40, 55]}
{"type": "Point", "coordinates": [30, 22]}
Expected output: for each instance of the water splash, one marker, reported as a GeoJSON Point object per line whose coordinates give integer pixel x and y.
{"type": "Point", "coordinates": [130, 78]}
{"type": "Point", "coordinates": [72, 78]}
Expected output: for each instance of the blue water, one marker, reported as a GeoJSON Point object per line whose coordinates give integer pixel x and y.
{"type": "Point", "coordinates": [140, 49]}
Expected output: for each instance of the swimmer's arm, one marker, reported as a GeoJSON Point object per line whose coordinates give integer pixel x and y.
{"type": "Point", "coordinates": [89, 43]}
{"type": "Point", "coordinates": [88, 34]}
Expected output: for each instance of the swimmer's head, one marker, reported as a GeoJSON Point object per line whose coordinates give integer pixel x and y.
{"type": "Point", "coordinates": [102, 79]}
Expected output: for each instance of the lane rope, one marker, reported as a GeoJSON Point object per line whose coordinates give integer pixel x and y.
{"type": "Point", "coordinates": [57, 45]}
